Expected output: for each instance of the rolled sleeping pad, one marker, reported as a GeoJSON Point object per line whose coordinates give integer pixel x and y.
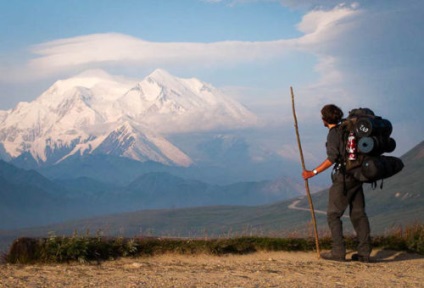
{"type": "Point", "coordinates": [364, 127]}
{"type": "Point", "coordinates": [386, 128]}
{"type": "Point", "coordinates": [391, 145]}
{"type": "Point", "coordinates": [367, 144]}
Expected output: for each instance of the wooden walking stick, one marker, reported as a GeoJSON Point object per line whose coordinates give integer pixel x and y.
{"type": "Point", "coordinates": [308, 193]}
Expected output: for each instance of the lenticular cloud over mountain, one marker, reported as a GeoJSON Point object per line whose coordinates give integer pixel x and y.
{"type": "Point", "coordinates": [97, 113]}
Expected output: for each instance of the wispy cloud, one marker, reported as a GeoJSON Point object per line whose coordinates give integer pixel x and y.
{"type": "Point", "coordinates": [100, 50]}
{"type": "Point", "coordinates": [118, 48]}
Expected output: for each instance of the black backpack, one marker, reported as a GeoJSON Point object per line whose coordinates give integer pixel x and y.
{"type": "Point", "coordinates": [371, 139]}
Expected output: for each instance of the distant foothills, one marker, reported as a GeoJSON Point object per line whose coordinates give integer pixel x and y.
{"type": "Point", "coordinates": [33, 205]}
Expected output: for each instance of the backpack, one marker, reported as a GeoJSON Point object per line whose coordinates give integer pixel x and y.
{"type": "Point", "coordinates": [367, 138]}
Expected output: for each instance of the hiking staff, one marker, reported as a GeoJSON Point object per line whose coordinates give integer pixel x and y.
{"type": "Point", "coordinates": [308, 193]}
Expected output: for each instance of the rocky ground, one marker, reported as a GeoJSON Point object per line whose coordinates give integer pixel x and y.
{"type": "Point", "coordinates": [262, 269]}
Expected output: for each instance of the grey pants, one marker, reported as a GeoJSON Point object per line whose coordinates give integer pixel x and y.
{"type": "Point", "coordinates": [343, 194]}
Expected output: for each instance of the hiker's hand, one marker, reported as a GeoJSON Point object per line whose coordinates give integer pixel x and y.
{"type": "Point", "coordinates": [306, 174]}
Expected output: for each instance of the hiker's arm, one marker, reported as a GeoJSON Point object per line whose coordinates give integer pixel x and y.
{"type": "Point", "coordinates": [306, 174]}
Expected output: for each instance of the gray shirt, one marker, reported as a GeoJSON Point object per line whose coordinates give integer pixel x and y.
{"type": "Point", "coordinates": [335, 147]}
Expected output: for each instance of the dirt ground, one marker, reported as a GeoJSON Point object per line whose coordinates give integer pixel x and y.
{"type": "Point", "coordinates": [262, 269]}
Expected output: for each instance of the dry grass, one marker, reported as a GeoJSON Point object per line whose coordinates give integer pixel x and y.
{"type": "Point", "coordinates": [86, 248]}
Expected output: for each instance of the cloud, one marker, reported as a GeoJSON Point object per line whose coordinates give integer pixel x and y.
{"type": "Point", "coordinates": [370, 55]}
{"type": "Point", "coordinates": [316, 4]}
{"type": "Point", "coordinates": [321, 26]}
{"type": "Point", "coordinates": [119, 49]}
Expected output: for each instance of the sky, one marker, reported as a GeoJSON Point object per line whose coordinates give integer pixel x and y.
{"type": "Point", "coordinates": [350, 53]}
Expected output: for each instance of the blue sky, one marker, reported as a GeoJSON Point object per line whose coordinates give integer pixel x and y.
{"type": "Point", "coordinates": [352, 53]}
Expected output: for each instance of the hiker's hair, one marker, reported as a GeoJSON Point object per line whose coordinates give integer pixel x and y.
{"type": "Point", "coordinates": [332, 114]}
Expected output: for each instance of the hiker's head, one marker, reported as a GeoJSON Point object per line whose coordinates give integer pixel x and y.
{"type": "Point", "coordinates": [331, 114]}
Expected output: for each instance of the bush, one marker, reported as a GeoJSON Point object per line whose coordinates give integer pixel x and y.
{"type": "Point", "coordinates": [85, 248]}
{"type": "Point", "coordinates": [415, 238]}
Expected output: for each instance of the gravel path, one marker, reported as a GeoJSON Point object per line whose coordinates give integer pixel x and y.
{"type": "Point", "coordinates": [262, 269]}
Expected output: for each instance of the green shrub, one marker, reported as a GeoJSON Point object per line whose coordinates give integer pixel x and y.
{"type": "Point", "coordinates": [415, 238]}
{"type": "Point", "coordinates": [86, 249]}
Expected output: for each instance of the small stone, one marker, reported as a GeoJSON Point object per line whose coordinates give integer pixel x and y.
{"type": "Point", "coordinates": [136, 265]}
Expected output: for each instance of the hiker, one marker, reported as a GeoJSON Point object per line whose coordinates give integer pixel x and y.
{"type": "Point", "coordinates": [345, 191]}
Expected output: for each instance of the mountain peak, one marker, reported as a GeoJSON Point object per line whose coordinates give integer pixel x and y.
{"type": "Point", "coordinates": [160, 74]}
{"type": "Point", "coordinates": [162, 78]}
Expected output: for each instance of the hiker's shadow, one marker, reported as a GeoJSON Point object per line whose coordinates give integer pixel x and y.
{"type": "Point", "coordinates": [393, 256]}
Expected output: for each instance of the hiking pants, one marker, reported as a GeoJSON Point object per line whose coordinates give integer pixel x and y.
{"type": "Point", "coordinates": [348, 193]}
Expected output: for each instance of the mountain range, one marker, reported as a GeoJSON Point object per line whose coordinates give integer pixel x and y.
{"type": "Point", "coordinates": [95, 113]}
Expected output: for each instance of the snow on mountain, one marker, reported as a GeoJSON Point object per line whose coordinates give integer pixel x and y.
{"type": "Point", "coordinates": [173, 105]}
{"type": "Point", "coordinates": [135, 143]}
{"type": "Point", "coordinates": [97, 113]}
{"type": "Point", "coordinates": [63, 116]}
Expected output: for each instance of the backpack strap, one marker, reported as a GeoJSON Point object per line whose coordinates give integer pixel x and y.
{"type": "Point", "coordinates": [374, 184]}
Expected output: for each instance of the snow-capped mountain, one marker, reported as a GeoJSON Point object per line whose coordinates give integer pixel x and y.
{"type": "Point", "coordinates": [171, 105]}
{"type": "Point", "coordinates": [98, 113]}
